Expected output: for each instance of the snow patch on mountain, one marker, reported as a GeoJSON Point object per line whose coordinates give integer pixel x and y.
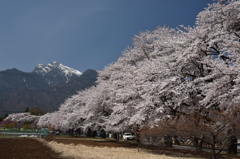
{"type": "Point", "coordinates": [55, 68]}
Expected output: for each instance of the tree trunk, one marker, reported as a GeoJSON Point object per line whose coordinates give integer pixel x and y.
{"type": "Point", "coordinates": [118, 138]}
{"type": "Point", "coordinates": [176, 141]}
{"type": "Point", "coordinates": [103, 133]}
{"type": "Point", "coordinates": [168, 141]}
{"type": "Point", "coordinates": [232, 148]}
{"type": "Point", "coordinates": [213, 152]}
{"type": "Point", "coordinates": [138, 139]}
{"type": "Point", "coordinates": [139, 144]}
{"type": "Point", "coordinates": [200, 145]}
{"type": "Point", "coordinates": [94, 133]}
{"type": "Point", "coordinates": [89, 132]}
{"type": "Point", "coordinates": [195, 143]}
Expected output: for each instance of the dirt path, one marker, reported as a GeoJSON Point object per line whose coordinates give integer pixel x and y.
{"type": "Point", "coordinates": [109, 144]}
{"type": "Point", "coordinates": [25, 148]}
{"type": "Point", "coordinates": [81, 151]}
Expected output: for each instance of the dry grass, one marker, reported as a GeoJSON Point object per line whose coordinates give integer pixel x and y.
{"type": "Point", "coordinates": [89, 152]}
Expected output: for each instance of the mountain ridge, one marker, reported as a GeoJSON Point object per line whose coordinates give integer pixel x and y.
{"type": "Point", "coordinates": [19, 90]}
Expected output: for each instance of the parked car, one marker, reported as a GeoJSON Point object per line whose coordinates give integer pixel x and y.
{"type": "Point", "coordinates": [57, 132]}
{"type": "Point", "coordinates": [128, 136]}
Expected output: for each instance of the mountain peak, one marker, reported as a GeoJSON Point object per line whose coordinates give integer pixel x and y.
{"type": "Point", "coordinates": [54, 63]}
{"type": "Point", "coordinates": [56, 72]}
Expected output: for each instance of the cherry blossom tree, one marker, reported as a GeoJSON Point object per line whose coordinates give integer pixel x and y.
{"type": "Point", "coordinates": [212, 56]}
{"type": "Point", "coordinates": [23, 118]}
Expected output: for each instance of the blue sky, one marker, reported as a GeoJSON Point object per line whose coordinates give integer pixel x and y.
{"type": "Point", "coordinates": [82, 34]}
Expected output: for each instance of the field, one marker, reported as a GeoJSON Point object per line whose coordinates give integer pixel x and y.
{"type": "Point", "coordinates": [25, 148]}
{"type": "Point", "coordinates": [85, 148]}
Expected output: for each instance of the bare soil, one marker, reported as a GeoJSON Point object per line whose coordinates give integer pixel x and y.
{"type": "Point", "coordinates": [25, 148]}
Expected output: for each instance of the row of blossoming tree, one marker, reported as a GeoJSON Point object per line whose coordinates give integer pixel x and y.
{"type": "Point", "coordinates": [180, 82]}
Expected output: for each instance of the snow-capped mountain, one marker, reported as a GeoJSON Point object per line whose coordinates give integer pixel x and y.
{"type": "Point", "coordinates": [56, 72]}
{"type": "Point", "coordinates": [45, 90]}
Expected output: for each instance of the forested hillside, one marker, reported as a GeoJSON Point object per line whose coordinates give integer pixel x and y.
{"type": "Point", "coordinates": [20, 90]}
